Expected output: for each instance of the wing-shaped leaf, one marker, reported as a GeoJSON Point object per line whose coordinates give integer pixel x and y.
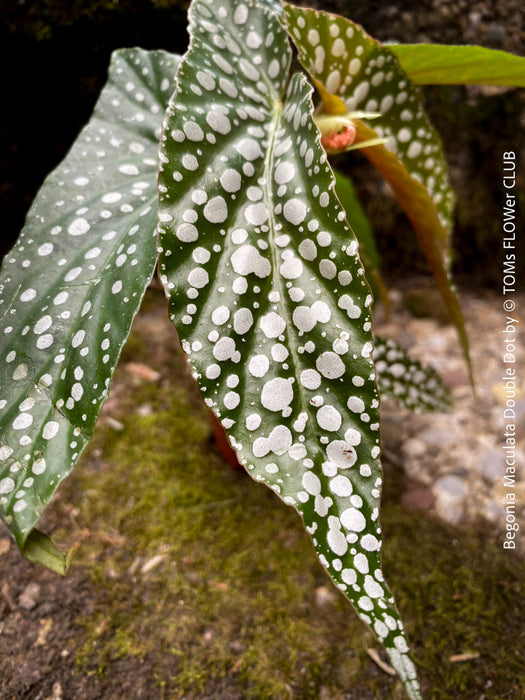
{"type": "Point", "coordinates": [355, 69]}
{"type": "Point", "coordinates": [269, 296]}
{"type": "Point", "coordinates": [441, 64]}
{"type": "Point", "coordinates": [73, 283]}
{"type": "Point", "coordinates": [406, 380]}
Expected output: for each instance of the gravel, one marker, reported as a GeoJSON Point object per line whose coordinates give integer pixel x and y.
{"type": "Point", "coordinates": [459, 456]}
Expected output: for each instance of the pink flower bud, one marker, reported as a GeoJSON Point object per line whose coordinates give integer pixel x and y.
{"type": "Point", "coordinates": [339, 140]}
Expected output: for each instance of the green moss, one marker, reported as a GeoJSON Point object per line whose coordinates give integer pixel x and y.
{"type": "Point", "coordinates": [238, 604]}
{"type": "Point", "coordinates": [462, 594]}
{"type": "Point", "coordinates": [236, 587]}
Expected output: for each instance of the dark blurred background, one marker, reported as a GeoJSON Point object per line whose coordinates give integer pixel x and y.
{"type": "Point", "coordinates": [54, 57]}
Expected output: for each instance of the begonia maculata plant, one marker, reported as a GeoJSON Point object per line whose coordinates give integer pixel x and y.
{"type": "Point", "coordinates": [213, 166]}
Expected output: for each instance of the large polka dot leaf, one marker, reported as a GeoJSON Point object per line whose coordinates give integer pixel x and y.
{"type": "Point", "coordinates": [269, 297]}
{"type": "Point", "coordinates": [71, 287]}
{"type": "Point", "coordinates": [365, 75]}
{"type": "Point", "coordinates": [355, 72]}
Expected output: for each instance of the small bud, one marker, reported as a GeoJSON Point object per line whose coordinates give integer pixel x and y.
{"type": "Point", "coordinates": [339, 140]}
{"type": "Point", "coordinates": [337, 133]}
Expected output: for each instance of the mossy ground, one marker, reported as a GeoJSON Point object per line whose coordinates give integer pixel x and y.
{"type": "Point", "coordinates": [210, 579]}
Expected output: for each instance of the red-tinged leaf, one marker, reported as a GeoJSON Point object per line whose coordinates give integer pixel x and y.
{"type": "Point", "coordinates": [416, 202]}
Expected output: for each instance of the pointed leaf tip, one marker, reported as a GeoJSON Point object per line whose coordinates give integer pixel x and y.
{"type": "Point", "coordinates": [72, 285]}
{"type": "Point", "coordinates": [40, 549]}
{"type": "Point", "coordinates": [268, 294]}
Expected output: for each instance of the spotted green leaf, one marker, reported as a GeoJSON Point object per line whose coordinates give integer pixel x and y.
{"type": "Point", "coordinates": [355, 72]}
{"type": "Point", "coordinates": [440, 64]}
{"type": "Point", "coordinates": [269, 297]}
{"type": "Point", "coordinates": [272, 5]}
{"type": "Point", "coordinates": [407, 381]}
{"type": "Point", "coordinates": [72, 285]}
{"type": "Point", "coordinates": [365, 75]}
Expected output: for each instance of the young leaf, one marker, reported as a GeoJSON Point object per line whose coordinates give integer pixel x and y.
{"type": "Point", "coordinates": [365, 75]}
{"type": "Point", "coordinates": [440, 64]}
{"type": "Point", "coordinates": [407, 381]}
{"type": "Point", "coordinates": [72, 285]}
{"type": "Point", "coordinates": [269, 297]}
{"type": "Point", "coordinates": [359, 71]}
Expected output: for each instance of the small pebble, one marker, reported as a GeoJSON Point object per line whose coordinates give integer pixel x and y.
{"type": "Point", "coordinates": [29, 596]}
{"type": "Point", "coordinates": [57, 693]}
{"type": "Point", "coordinates": [492, 465]}
{"type": "Point", "coordinates": [418, 499]}
{"type": "Point", "coordinates": [152, 563]}
{"type": "Point", "coordinates": [324, 596]}
{"type": "Point", "coordinates": [114, 424]}
{"type": "Point", "coordinates": [495, 33]}
{"type": "Point", "coordinates": [142, 371]}
{"type": "Point", "coordinates": [450, 492]}
{"type": "Point", "coordinates": [435, 438]}
{"type": "Point", "coordinates": [237, 646]}
{"type": "Point", "coordinates": [474, 18]}
{"type": "Point", "coordinates": [414, 447]}
{"type": "Point", "coordinates": [144, 410]}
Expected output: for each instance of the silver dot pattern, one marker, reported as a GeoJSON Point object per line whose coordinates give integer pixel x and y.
{"type": "Point", "coordinates": [268, 293]}
{"type": "Point", "coordinates": [367, 76]}
{"type": "Point", "coordinates": [73, 283]}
